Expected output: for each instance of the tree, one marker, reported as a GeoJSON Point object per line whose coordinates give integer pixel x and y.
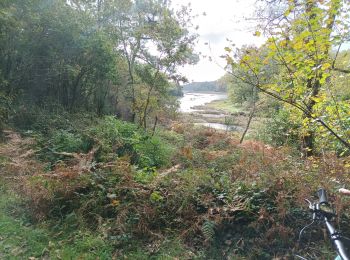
{"type": "Point", "coordinates": [150, 33]}
{"type": "Point", "coordinates": [52, 54]}
{"type": "Point", "coordinates": [301, 36]}
{"type": "Point", "coordinates": [115, 56]}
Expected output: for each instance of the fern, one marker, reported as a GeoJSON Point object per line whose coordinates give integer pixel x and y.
{"type": "Point", "coordinates": [208, 229]}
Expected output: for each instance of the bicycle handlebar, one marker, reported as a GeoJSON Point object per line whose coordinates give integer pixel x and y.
{"type": "Point", "coordinates": [322, 211]}
{"type": "Point", "coordinates": [322, 195]}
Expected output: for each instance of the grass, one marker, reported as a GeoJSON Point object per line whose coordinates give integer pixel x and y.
{"type": "Point", "coordinates": [21, 239]}
{"type": "Point", "coordinates": [224, 105]}
{"type": "Point", "coordinates": [169, 249]}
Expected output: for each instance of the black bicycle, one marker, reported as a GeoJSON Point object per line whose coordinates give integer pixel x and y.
{"type": "Point", "coordinates": [323, 213]}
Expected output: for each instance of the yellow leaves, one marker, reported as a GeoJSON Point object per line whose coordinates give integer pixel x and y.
{"type": "Point", "coordinates": [314, 165]}
{"type": "Point", "coordinates": [325, 66]}
{"type": "Point", "coordinates": [324, 78]}
{"type": "Point", "coordinates": [298, 45]}
{"type": "Point", "coordinates": [246, 58]}
{"type": "Point", "coordinates": [156, 197]}
{"type": "Point", "coordinates": [272, 47]}
{"type": "Point", "coordinates": [319, 98]}
{"type": "Point", "coordinates": [283, 43]}
{"type": "Point", "coordinates": [347, 162]}
{"type": "Point", "coordinates": [228, 49]}
{"type": "Point", "coordinates": [113, 198]}
{"type": "Point", "coordinates": [274, 87]}
{"type": "Point", "coordinates": [257, 34]}
{"type": "Point", "coordinates": [115, 203]}
{"type": "Point", "coordinates": [306, 123]}
{"type": "Point", "coordinates": [286, 13]}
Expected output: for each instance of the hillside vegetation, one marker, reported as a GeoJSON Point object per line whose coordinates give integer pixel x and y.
{"type": "Point", "coordinates": [188, 193]}
{"type": "Point", "coordinates": [206, 86]}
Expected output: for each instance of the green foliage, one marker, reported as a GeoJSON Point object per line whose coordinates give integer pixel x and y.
{"type": "Point", "coordinates": [295, 66]}
{"type": "Point", "coordinates": [208, 229]}
{"type": "Point", "coordinates": [4, 110]}
{"type": "Point", "coordinates": [281, 130]}
{"type": "Point", "coordinates": [171, 137]}
{"type": "Point", "coordinates": [146, 175]}
{"type": "Point", "coordinates": [240, 92]}
{"type": "Point", "coordinates": [217, 86]}
{"type": "Point", "coordinates": [341, 81]}
{"type": "Point", "coordinates": [226, 192]}
{"type": "Point", "coordinates": [152, 151]}
{"type": "Point", "coordinates": [120, 138]}
{"type": "Point", "coordinates": [156, 197]}
{"type": "Point", "coordinates": [47, 121]}
{"type": "Point", "coordinates": [82, 63]}
{"type": "Point", "coordinates": [108, 133]}
{"type": "Point", "coordinates": [22, 239]}
{"type": "Point", "coordinates": [64, 141]}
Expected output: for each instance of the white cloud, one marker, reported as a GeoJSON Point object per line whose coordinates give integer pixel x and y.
{"type": "Point", "coordinates": [224, 19]}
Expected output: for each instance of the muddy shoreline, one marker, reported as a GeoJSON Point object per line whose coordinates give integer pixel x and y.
{"type": "Point", "coordinates": [210, 115]}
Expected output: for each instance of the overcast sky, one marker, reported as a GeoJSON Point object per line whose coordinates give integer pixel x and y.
{"type": "Point", "coordinates": [224, 19]}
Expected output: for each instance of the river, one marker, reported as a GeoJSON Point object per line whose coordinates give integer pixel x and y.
{"type": "Point", "coordinates": [191, 100]}
{"type": "Point", "coordinates": [191, 103]}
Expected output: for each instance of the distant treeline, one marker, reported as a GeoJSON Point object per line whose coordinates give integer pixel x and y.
{"type": "Point", "coordinates": [217, 86]}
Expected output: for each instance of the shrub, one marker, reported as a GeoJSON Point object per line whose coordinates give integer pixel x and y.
{"type": "Point", "coordinates": [280, 130]}
{"type": "Point", "coordinates": [64, 141]}
{"type": "Point", "coordinates": [108, 132]}
{"type": "Point", "coordinates": [54, 145]}
{"type": "Point", "coordinates": [38, 119]}
{"type": "Point", "coordinates": [118, 138]}
{"type": "Point", "coordinates": [152, 152]}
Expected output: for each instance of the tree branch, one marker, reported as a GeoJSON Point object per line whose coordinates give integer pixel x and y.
{"type": "Point", "coordinates": [347, 71]}
{"type": "Point", "coordinates": [298, 106]}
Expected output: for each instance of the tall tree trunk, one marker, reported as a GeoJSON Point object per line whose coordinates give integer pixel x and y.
{"type": "Point", "coordinates": [308, 143]}
{"type": "Point", "coordinates": [155, 125]}
{"type": "Point", "coordinates": [144, 117]}
{"type": "Point", "coordinates": [74, 93]}
{"type": "Point", "coordinates": [314, 84]}
{"type": "Point", "coordinates": [251, 115]}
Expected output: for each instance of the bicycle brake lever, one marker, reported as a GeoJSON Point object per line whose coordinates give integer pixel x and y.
{"type": "Point", "coordinates": [310, 204]}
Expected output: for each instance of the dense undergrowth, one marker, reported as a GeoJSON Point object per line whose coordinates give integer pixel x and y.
{"type": "Point", "coordinates": [184, 192]}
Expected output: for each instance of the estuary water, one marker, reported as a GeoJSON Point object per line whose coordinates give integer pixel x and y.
{"type": "Point", "coordinates": [192, 99]}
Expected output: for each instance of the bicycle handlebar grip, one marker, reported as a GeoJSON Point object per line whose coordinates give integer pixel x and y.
{"type": "Point", "coordinates": [322, 195]}
{"type": "Point", "coordinates": [344, 191]}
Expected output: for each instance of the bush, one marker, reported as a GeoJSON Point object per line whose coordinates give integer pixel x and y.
{"type": "Point", "coordinates": [64, 141]}
{"type": "Point", "coordinates": [46, 121]}
{"type": "Point", "coordinates": [108, 132]}
{"type": "Point", "coordinates": [280, 130]}
{"type": "Point", "coordinates": [52, 146]}
{"type": "Point", "coordinates": [38, 119]}
{"type": "Point", "coordinates": [118, 138]}
{"type": "Point", "coordinates": [152, 152]}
